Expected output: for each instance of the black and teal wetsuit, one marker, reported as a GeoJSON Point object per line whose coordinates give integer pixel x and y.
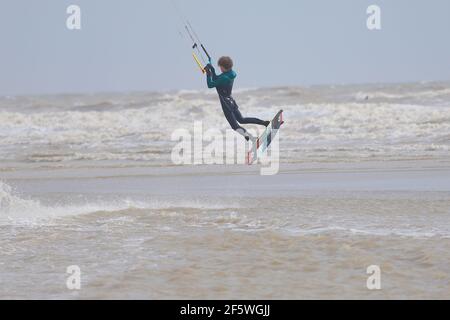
{"type": "Point", "coordinates": [224, 86]}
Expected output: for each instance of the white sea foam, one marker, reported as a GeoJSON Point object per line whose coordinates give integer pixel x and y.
{"type": "Point", "coordinates": [15, 209]}
{"type": "Point", "coordinates": [395, 122]}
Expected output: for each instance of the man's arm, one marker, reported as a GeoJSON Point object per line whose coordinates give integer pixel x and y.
{"type": "Point", "coordinates": [212, 79]}
{"type": "Point", "coordinates": [210, 71]}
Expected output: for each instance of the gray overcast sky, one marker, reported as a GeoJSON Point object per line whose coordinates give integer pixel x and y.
{"type": "Point", "coordinates": [128, 45]}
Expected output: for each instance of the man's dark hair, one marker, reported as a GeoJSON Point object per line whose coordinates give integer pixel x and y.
{"type": "Point", "coordinates": [226, 63]}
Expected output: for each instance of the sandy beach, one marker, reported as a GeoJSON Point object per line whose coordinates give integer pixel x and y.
{"type": "Point", "coordinates": [221, 232]}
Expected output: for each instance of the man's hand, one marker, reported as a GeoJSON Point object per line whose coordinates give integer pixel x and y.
{"type": "Point", "coordinates": [208, 69]}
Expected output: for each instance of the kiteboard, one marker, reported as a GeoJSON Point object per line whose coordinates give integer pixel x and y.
{"type": "Point", "coordinates": [264, 141]}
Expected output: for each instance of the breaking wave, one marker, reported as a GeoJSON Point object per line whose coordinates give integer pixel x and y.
{"type": "Point", "coordinates": [349, 122]}
{"type": "Point", "coordinates": [15, 209]}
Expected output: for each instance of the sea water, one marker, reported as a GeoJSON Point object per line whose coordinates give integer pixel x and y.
{"type": "Point", "coordinates": [87, 180]}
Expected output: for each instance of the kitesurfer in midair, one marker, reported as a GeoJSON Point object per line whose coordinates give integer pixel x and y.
{"type": "Point", "coordinates": [224, 86]}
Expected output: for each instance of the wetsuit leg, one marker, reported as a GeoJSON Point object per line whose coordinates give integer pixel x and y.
{"type": "Point", "coordinates": [229, 114]}
{"type": "Point", "coordinates": [230, 117]}
{"type": "Point", "coordinates": [238, 116]}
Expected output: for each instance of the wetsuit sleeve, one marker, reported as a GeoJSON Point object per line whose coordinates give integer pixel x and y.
{"type": "Point", "coordinates": [220, 81]}
{"type": "Point", "coordinates": [213, 80]}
